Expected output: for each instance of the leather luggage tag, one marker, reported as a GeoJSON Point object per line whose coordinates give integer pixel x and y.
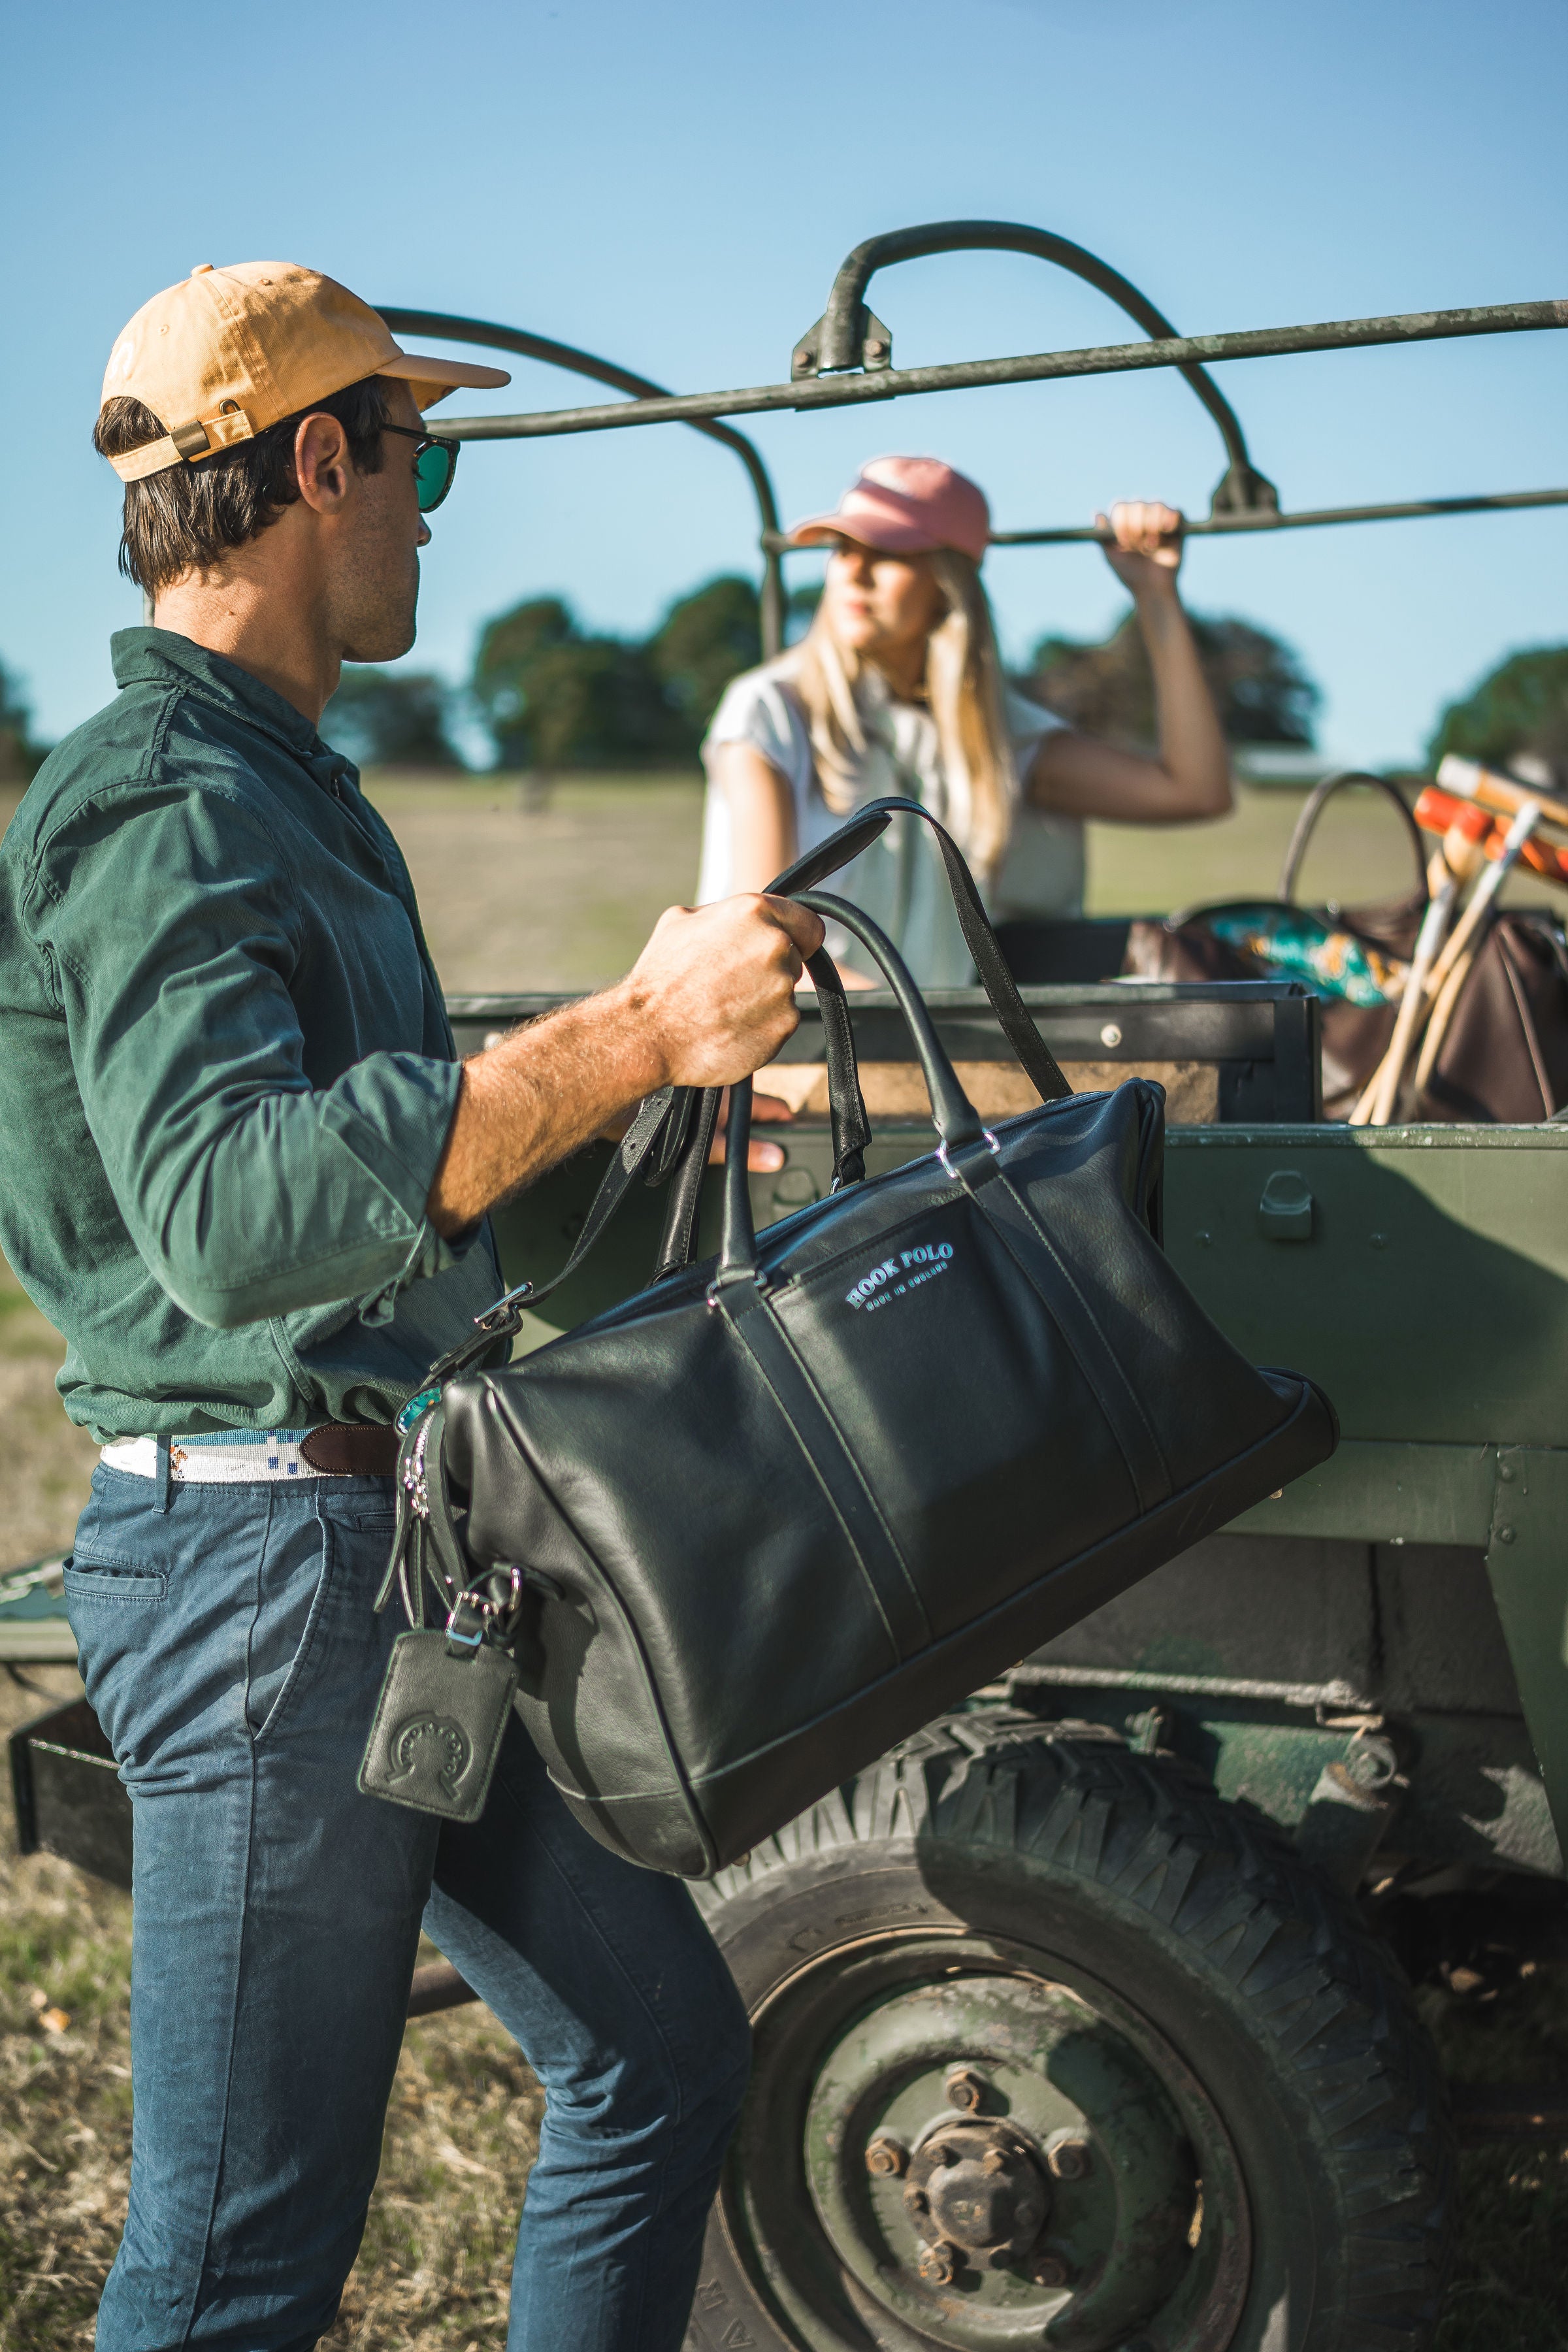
{"type": "Point", "coordinates": [438, 1726]}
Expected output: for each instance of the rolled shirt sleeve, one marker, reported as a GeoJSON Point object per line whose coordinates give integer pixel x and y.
{"type": "Point", "coordinates": [252, 1190]}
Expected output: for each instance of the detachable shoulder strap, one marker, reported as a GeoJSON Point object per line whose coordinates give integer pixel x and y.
{"type": "Point", "coordinates": [502, 1321]}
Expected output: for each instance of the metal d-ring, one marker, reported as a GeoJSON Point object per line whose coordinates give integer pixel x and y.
{"type": "Point", "coordinates": [995, 1150]}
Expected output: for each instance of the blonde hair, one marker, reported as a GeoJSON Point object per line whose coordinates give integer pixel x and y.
{"type": "Point", "coordinates": [964, 689]}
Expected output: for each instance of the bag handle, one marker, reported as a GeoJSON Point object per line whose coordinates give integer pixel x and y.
{"type": "Point", "coordinates": [1012, 1013]}
{"type": "Point", "coordinates": [652, 1126]}
{"type": "Point", "coordinates": [1317, 802]}
{"type": "Point", "coordinates": [677, 1242]}
{"type": "Point", "coordinates": [954, 1116]}
{"type": "Point", "coordinates": [846, 1105]}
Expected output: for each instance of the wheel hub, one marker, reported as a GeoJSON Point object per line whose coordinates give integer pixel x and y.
{"type": "Point", "coordinates": [977, 2185]}
{"type": "Point", "coordinates": [995, 2168]}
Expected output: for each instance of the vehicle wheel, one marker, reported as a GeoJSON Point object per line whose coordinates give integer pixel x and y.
{"type": "Point", "coordinates": [1054, 2049]}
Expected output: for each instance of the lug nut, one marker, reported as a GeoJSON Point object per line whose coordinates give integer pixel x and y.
{"type": "Point", "coordinates": [1069, 2159]}
{"type": "Point", "coordinates": [884, 2154]}
{"type": "Point", "coordinates": [994, 2161]}
{"type": "Point", "coordinates": [937, 2265]}
{"type": "Point", "coordinates": [916, 2199]}
{"type": "Point", "coordinates": [965, 2089]}
{"type": "Point", "coordinates": [1049, 2271]}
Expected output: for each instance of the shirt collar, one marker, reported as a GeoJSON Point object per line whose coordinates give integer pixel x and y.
{"type": "Point", "coordinates": [160, 658]}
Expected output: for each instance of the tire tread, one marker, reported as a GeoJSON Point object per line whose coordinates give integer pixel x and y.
{"type": "Point", "coordinates": [1298, 1956]}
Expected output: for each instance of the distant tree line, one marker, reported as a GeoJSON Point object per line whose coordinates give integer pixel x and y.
{"type": "Point", "coordinates": [1261, 691]}
{"type": "Point", "coordinates": [1520, 712]}
{"type": "Point", "coordinates": [553, 696]}
{"type": "Point", "coordinates": [20, 756]}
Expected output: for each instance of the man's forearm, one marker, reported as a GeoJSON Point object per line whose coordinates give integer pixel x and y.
{"type": "Point", "coordinates": [538, 1097]}
{"type": "Point", "coordinates": [710, 1000]}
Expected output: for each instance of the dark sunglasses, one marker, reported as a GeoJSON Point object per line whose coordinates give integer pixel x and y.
{"type": "Point", "coordinates": [434, 464]}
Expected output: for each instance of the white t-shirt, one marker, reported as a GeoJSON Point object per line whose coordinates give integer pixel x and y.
{"type": "Point", "coordinates": [898, 880]}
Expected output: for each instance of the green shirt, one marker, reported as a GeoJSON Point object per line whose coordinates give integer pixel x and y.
{"type": "Point", "coordinates": [226, 1071]}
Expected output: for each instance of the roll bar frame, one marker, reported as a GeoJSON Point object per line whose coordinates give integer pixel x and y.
{"type": "Point", "coordinates": [450, 329]}
{"type": "Point", "coordinates": [848, 337]}
{"type": "Point", "coordinates": [845, 358]}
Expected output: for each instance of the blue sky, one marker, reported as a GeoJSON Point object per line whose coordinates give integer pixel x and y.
{"type": "Point", "coordinates": [675, 185]}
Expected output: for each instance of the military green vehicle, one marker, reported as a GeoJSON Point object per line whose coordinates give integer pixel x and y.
{"type": "Point", "coordinates": [1083, 2020]}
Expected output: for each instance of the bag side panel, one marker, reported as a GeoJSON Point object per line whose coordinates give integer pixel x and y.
{"type": "Point", "coordinates": [668, 1461]}
{"type": "Point", "coordinates": [584, 1693]}
{"type": "Point", "coordinates": [968, 1412]}
{"type": "Point", "coordinates": [1203, 1399]}
{"type": "Point", "coordinates": [756, 1795]}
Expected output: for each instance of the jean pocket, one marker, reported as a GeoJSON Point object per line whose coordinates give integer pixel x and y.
{"type": "Point", "coordinates": [103, 1581]}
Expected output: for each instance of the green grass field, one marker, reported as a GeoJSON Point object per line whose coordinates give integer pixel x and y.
{"type": "Point", "coordinates": [518, 896]}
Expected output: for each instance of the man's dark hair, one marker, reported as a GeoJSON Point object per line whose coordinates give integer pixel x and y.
{"type": "Point", "coordinates": [188, 517]}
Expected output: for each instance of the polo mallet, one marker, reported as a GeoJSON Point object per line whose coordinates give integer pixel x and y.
{"type": "Point", "coordinates": [1452, 968]}
{"type": "Point", "coordinates": [1436, 811]}
{"type": "Point", "coordinates": [1456, 860]}
{"type": "Point", "coordinates": [1499, 793]}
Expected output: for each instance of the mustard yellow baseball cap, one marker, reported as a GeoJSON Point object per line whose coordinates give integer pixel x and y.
{"type": "Point", "coordinates": [229, 351]}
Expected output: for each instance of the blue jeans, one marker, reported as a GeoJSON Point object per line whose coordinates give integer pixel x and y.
{"type": "Point", "coordinates": [231, 1653]}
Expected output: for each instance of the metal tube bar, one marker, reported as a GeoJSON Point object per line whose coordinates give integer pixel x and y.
{"type": "Point", "coordinates": [839, 339]}
{"type": "Point", "coordinates": [451, 329]}
{"type": "Point", "coordinates": [1217, 526]}
{"type": "Point", "coordinates": [1036, 367]}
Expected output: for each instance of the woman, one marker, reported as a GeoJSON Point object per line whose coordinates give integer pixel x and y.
{"type": "Point", "coordinates": [896, 688]}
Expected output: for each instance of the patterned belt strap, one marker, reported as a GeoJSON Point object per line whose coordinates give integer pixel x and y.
{"type": "Point", "coordinates": [244, 1457]}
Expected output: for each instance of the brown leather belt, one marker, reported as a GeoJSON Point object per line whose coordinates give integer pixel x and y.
{"type": "Point", "coordinates": [351, 1449]}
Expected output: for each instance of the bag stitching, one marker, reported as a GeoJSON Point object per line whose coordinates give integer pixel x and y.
{"type": "Point", "coordinates": [900, 1653]}
{"type": "Point", "coordinates": [696, 1817]}
{"type": "Point", "coordinates": [1027, 1210]}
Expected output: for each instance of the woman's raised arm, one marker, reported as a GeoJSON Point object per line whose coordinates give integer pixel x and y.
{"type": "Point", "coordinates": [1076, 775]}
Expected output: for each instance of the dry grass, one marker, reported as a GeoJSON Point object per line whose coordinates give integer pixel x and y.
{"type": "Point", "coordinates": [518, 898]}
{"type": "Point", "coordinates": [1510, 2288]}
{"type": "Point", "coordinates": [560, 896]}
{"type": "Point", "coordinates": [462, 2131]}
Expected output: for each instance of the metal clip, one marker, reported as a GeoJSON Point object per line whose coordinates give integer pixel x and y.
{"type": "Point", "coordinates": [465, 1641]}
{"type": "Point", "coordinates": [495, 1318]}
{"type": "Point", "coordinates": [500, 1616]}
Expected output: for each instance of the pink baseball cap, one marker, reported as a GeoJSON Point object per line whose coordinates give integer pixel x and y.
{"type": "Point", "coordinates": [906, 506]}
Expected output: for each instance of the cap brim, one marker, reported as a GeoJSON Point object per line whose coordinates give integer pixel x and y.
{"type": "Point", "coordinates": [435, 378]}
{"type": "Point", "coordinates": [890, 535]}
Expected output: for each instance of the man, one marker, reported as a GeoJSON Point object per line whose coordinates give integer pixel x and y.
{"type": "Point", "coordinates": [241, 1171]}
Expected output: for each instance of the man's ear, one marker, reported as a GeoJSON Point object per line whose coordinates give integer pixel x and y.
{"type": "Point", "coordinates": [322, 465]}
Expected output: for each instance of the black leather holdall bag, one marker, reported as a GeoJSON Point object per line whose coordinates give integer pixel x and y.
{"type": "Point", "coordinates": [766, 1517]}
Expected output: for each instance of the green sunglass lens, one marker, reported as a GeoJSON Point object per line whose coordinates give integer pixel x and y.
{"type": "Point", "coordinates": [434, 469]}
